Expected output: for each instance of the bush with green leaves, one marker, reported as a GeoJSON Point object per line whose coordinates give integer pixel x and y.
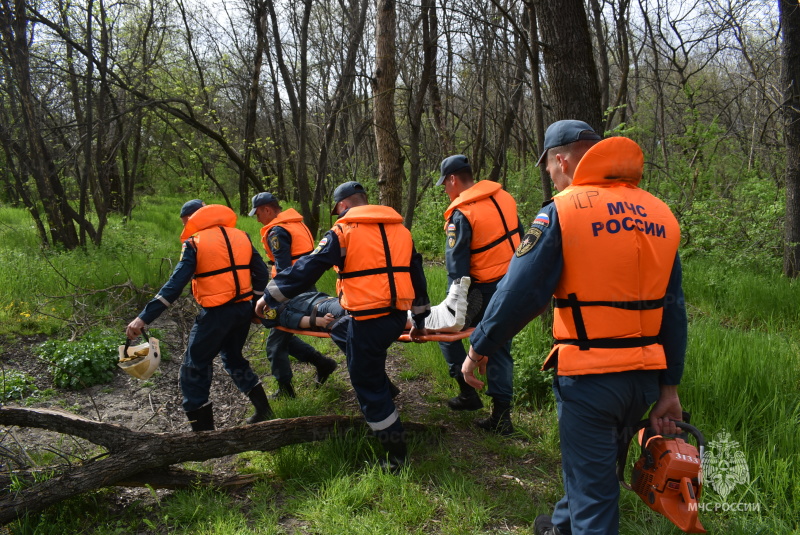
{"type": "Point", "coordinates": [82, 363]}
{"type": "Point", "coordinates": [15, 385]}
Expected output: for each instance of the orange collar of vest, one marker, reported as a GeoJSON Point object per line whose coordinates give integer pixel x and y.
{"type": "Point", "coordinates": [213, 215]}
{"type": "Point", "coordinates": [612, 160]}
{"type": "Point", "coordinates": [289, 215]}
{"type": "Point", "coordinates": [481, 190]}
{"type": "Point", "coordinates": [371, 213]}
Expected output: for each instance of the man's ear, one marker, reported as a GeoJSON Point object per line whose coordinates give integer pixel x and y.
{"type": "Point", "coordinates": [561, 160]}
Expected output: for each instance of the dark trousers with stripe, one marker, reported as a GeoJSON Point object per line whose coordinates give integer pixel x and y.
{"type": "Point", "coordinates": [365, 343]}
{"type": "Point", "coordinates": [592, 411]}
{"type": "Point", "coordinates": [499, 369]}
{"type": "Point", "coordinates": [217, 330]}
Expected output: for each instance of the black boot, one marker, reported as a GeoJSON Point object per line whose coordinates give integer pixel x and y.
{"type": "Point", "coordinates": [467, 400]}
{"type": "Point", "coordinates": [396, 452]}
{"type": "Point", "coordinates": [201, 419]}
{"type": "Point", "coordinates": [259, 400]}
{"type": "Point", "coordinates": [285, 390]}
{"type": "Point", "coordinates": [325, 367]}
{"type": "Point", "coordinates": [500, 420]}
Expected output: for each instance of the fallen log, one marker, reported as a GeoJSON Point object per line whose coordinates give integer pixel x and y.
{"type": "Point", "coordinates": [133, 456]}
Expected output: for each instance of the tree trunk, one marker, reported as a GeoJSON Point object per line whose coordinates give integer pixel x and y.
{"type": "Point", "coordinates": [536, 84]}
{"type": "Point", "coordinates": [14, 29]}
{"type": "Point", "coordinates": [134, 456]}
{"type": "Point", "coordinates": [344, 88]}
{"type": "Point", "coordinates": [259, 15]}
{"type": "Point", "coordinates": [790, 25]}
{"type": "Point", "coordinates": [417, 107]}
{"type": "Point", "coordinates": [512, 112]}
{"type": "Point", "coordinates": [568, 61]}
{"type": "Point", "coordinates": [390, 167]}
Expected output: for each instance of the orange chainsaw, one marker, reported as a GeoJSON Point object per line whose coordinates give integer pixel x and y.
{"type": "Point", "coordinates": [668, 475]}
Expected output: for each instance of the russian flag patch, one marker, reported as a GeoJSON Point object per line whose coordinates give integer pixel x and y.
{"type": "Point", "coordinates": [542, 219]}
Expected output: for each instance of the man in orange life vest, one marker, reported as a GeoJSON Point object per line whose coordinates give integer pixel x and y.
{"type": "Point", "coordinates": [380, 279]}
{"type": "Point", "coordinates": [483, 230]}
{"type": "Point", "coordinates": [286, 238]}
{"type": "Point", "coordinates": [608, 252]}
{"type": "Point", "coordinates": [226, 272]}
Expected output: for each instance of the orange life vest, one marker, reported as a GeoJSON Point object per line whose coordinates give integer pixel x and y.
{"type": "Point", "coordinates": [492, 214]}
{"type": "Point", "coordinates": [619, 245]}
{"type": "Point", "coordinates": [376, 278]}
{"type": "Point", "coordinates": [222, 274]}
{"type": "Point", "coordinates": [302, 240]}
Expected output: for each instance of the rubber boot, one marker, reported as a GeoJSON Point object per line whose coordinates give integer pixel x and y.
{"type": "Point", "coordinates": [285, 390]}
{"type": "Point", "coordinates": [396, 452]}
{"type": "Point", "coordinates": [543, 525]}
{"type": "Point", "coordinates": [259, 400]}
{"type": "Point", "coordinates": [325, 367]}
{"type": "Point", "coordinates": [467, 400]}
{"type": "Point", "coordinates": [500, 420]}
{"type": "Point", "coordinates": [202, 419]}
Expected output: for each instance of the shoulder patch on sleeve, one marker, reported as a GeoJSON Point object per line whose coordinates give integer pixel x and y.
{"type": "Point", "coordinates": [529, 241]}
{"type": "Point", "coordinates": [274, 243]}
{"type": "Point", "coordinates": [322, 243]}
{"type": "Point", "coordinates": [451, 235]}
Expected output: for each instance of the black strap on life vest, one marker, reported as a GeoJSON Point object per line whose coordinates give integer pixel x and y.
{"type": "Point", "coordinates": [233, 268]}
{"type": "Point", "coordinates": [583, 341]}
{"type": "Point", "coordinates": [389, 270]}
{"type": "Point", "coordinates": [296, 256]}
{"type": "Point", "coordinates": [507, 234]}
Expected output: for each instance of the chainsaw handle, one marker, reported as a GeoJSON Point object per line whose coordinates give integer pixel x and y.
{"type": "Point", "coordinates": [629, 433]}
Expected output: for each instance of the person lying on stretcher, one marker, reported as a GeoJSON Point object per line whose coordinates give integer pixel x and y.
{"type": "Point", "coordinates": [320, 311]}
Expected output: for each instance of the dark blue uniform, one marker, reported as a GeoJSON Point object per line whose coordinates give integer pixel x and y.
{"type": "Point", "coordinates": [281, 344]}
{"type": "Point", "coordinates": [290, 312]}
{"type": "Point", "coordinates": [592, 409]}
{"type": "Point", "coordinates": [500, 369]}
{"type": "Point", "coordinates": [217, 330]}
{"type": "Point", "coordinates": [365, 342]}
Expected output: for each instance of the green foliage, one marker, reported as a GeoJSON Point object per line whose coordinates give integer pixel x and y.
{"type": "Point", "coordinates": [15, 385]}
{"type": "Point", "coordinates": [428, 227]}
{"type": "Point", "coordinates": [82, 363]}
{"type": "Point", "coordinates": [741, 228]}
{"type": "Point", "coordinates": [532, 386]}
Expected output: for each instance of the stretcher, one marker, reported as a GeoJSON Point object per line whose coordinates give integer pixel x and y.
{"type": "Point", "coordinates": [431, 337]}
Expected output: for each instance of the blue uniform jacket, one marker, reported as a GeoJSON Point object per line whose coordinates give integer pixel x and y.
{"type": "Point", "coordinates": [183, 274]}
{"type": "Point", "coordinates": [529, 285]}
{"type": "Point", "coordinates": [457, 256]}
{"type": "Point", "coordinates": [283, 254]}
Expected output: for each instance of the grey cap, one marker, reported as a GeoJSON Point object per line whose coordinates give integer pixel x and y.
{"type": "Point", "coordinates": [564, 132]}
{"type": "Point", "coordinates": [260, 199]}
{"type": "Point", "coordinates": [190, 207]}
{"type": "Point", "coordinates": [453, 164]}
{"type": "Point", "coordinates": [344, 191]}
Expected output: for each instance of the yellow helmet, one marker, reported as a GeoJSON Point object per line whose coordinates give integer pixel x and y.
{"type": "Point", "coordinates": [140, 361]}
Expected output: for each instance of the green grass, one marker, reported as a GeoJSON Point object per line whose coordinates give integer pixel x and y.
{"type": "Point", "coordinates": [742, 376]}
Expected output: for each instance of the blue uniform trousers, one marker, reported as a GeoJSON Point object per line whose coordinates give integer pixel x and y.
{"type": "Point", "coordinates": [365, 343]}
{"type": "Point", "coordinates": [280, 345]}
{"type": "Point", "coordinates": [499, 369]}
{"type": "Point", "coordinates": [592, 411]}
{"type": "Point", "coordinates": [217, 330]}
